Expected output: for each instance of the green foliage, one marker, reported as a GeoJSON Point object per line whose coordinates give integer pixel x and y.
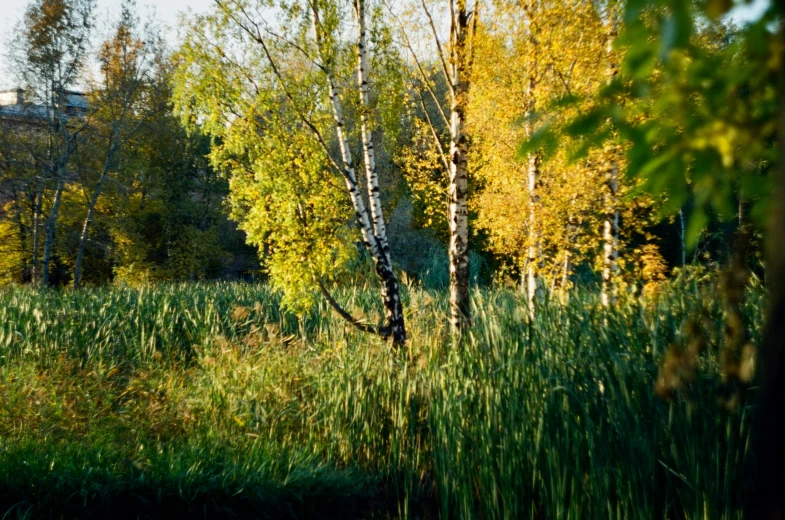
{"type": "Point", "coordinates": [273, 135]}
{"type": "Point", "coordinates": [210, 390]}
{"type": "Point", "coordinates": [158, 215]}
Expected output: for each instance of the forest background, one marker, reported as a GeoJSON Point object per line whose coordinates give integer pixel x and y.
{"type": "Point", "coordinates": [162, 216]}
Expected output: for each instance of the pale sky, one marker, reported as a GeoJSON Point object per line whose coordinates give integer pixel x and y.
{"type": "Point", "coordinates": [167, 11]}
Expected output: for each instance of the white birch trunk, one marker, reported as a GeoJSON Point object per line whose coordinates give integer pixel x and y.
{"type": "Point", "coordinates": [36, 272]}
{"type": "Point", "coordinates": [610, 234]}
{"type": "Point", "coordinates": [374, 195]}
{"type": "Point", "coordinates": [374, 243]}
{"type": "Point", "coordinates": [533, 181]}
{"type": "Point", "coordinates": [533, 252]}
{"type": "Point", "coordinates": [458, 212]}
{"type": "Point", "coordinates": [384, 269]}
{"type": "Point", "coordinates": [49, 230]}
{"type": "Point", "coordinates": [89, 218]}
{"type": "Point", "coordinates": [610, 225]}
{"type": "Point", "coordinates": [568, 251]}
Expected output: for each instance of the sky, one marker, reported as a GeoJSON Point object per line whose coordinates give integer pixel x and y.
{"type": "Point", "coordinates": [167, 11]}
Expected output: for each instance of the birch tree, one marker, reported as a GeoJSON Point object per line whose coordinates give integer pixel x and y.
{"type": "Point", "coordinates": [48, 54]}
{"type": "Point", "coordinates": [533, 260]}
{"type": "Point", "coordinates": [610, 224]}
{"type": "Point", "coordinates": [304, 58]}
{"type": "Point", "coordinates": [126, 65]}
{"type": "Point", "coordinates": [539, 214]}
{"type": "Point", "coordinates": [463, 24]}
{"type": "Point", "coordinates": [454, 63]}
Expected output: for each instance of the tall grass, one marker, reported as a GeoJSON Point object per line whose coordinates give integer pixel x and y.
{"type": "Point", "coordinates": [190, 393]}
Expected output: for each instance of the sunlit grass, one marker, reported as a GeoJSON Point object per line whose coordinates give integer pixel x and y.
{"type": "Point", "coordinates": [210, 397]}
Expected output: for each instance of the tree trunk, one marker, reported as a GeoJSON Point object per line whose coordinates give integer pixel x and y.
{"type": "Point", "coordinates": [375, 244]}
{"type": "Point", "coordinates": [17, 198]}
{"type": "Point", "coordinates": [390, 290]}
{"type": "Point", "coordinates": [533, 182]}
{"type": "Point", "coordinates": [768, 502]}
{"type": "Point", "coordinates": [568, 251]}
{"type": "Point", "coordinates": [85, 229]}
{"type": "Point", "coordinates": [36, 238]}
{"type": "Point", "coordinates": [374, 195]}
{"type": "Point", "coordinates": [610, 237]}
{"type": "Point", "coordinates": [610, 225]}
{"type": "Point", "coordinates": [532, 263]}
{"type": "Point", "coordinates": [565, 276]}
{"type": "Point", "coordinates": [459, 175]}
{"type": "Point", "coordinates": [91, 208]}
{"type": "Point", "coordinates": [49, 230]}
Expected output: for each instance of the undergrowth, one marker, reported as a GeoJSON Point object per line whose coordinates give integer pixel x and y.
{"type": "Point", "coordinates": [209, 399]}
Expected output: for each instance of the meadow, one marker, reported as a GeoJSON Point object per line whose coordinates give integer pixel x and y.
{"type": "Point", "coordinates": [211, 400]}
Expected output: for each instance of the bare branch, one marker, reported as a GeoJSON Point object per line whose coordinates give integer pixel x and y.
{"type": "Point", "coordinates": [436, 141]}
{"type": "Point", "coordinates": [438, 46]}
{"type": "Point", "coordinates": [426, 81]}
{"type": "Point", "coordinates": [384, 332]}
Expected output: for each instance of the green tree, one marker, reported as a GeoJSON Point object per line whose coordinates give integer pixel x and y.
{"type": "Point", "coordinates": [285, 115]}
{"type": "Point", "coordinates": [48, 54]}
{"type": "Point", "coordinates": [127, 62]}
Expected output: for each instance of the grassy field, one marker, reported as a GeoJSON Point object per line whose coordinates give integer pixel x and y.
{"type": "Point", "coordinates": [209, 399]}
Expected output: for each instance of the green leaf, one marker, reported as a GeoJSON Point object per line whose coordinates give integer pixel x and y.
{"type": "Point", "coordinates": [587, 123]}
{"type": "Point", "coordinates": [696, 223]}
{"type": "Point", "coordinates": [639, 62]}
{"type": "Point", "coordinates": [656, 164]}
{"type": "Point", "coordinates": [542, 140]}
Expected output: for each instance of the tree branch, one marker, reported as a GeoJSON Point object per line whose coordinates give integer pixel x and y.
{"type": "Point", "coordinates": [384, 332]}
{"type": "Point", "coordinates": [425, 79]}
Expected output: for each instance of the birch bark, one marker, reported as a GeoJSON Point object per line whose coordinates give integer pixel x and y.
{"type": "Point", "coordinates": [533, 180]}
{"type": "Point", "coordinates": [390, 290]}
{"type": "Point", "coordinates": [49, 230]}
{"type": "Point", "coordinates": [369, 157]}
{"type": "Point", "coordinates": [533, 253]}
{"type": "Point", "coordinates": [372, 229]}
{"type": "Point", "coordinates": [374, 235]}
{"type": "Point", "coordinates": [61, 155]}
{"type": "Point", "coordinates": [458, 212]}
{"type": "Point", "coordinates": [36, 271]}
{"type": "Point", "coordinates": [90, 212]}
{"type": "Point", "coordinates": [610, 225]}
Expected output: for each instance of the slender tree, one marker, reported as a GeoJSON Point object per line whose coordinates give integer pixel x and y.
{"type": "Point", "coordinates": [48, 53]}
{"type": "Point", "coordinates": [534, 249]}
{"type": "Point", "coordinates": [455, 66]}
{"type": "Point", "coordinates": [463, 24]}
{"type": "Point", "coordinates": [374, 236]}
{"type": "Point", "coordinates": [126, 64]}
{"type": "Point", "coordinates": [541, 211]}
{"type": "Point", "coordinates": [610, 223]}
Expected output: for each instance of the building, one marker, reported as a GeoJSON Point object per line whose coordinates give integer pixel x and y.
{"type": "Point", "coordinates": [24, 121]}
{"type": "Point", "coordinates": [15, 105]}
